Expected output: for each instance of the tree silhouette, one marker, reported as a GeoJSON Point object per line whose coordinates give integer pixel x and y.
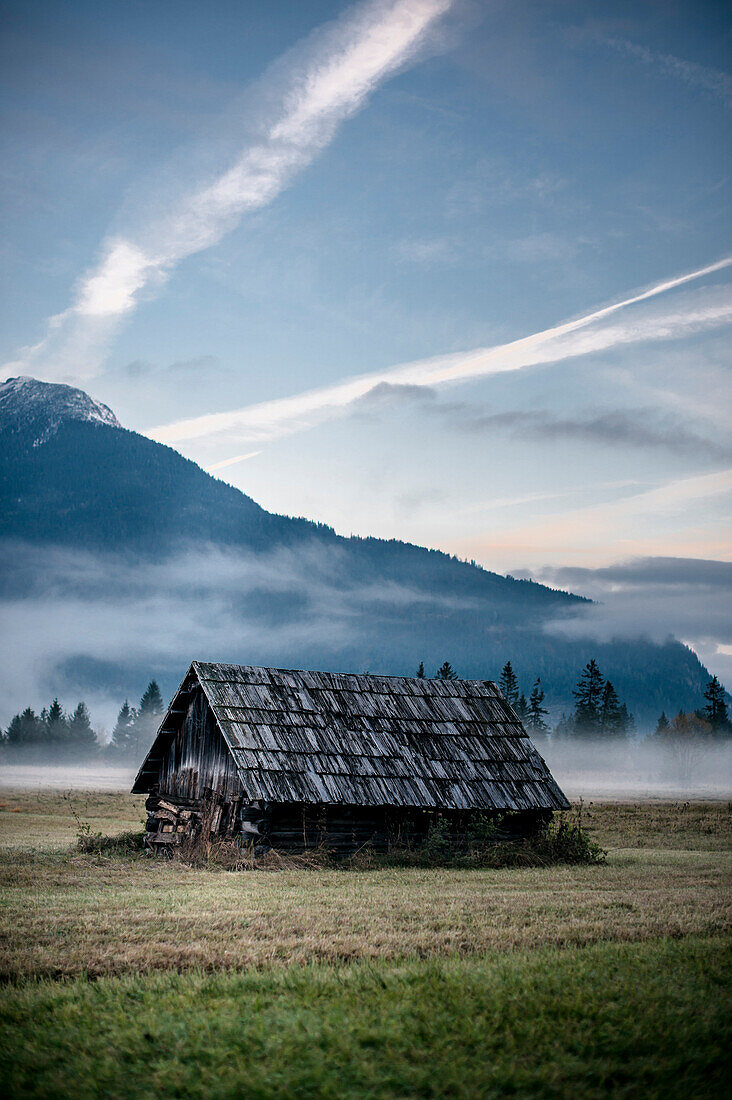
{"type": "Point", "coordinates": [57, 727]}
{"type": "Point", "coordinates": [509, 684]}
{"type": "Point", "coordinates": [715, 712]}
{"type": "Point", "coordinates": [151, 704]}
{"type": "Point", "coordinates": [522, 708]}
{"type": "Point", "coordinates": [122, 742]}
{"type": "Point", "coordinates": [627, 721]}
{"type": "Point", "coordinates": [661, 725]}
{"type": "Point", "coordinates": [588, 699]}
{"type": "Point", "coordinates": [82, 739]}
{"type": "Point", "coordinates": [146, 720]}
{"type": "Point", "coordinates": [684, 738]}
{"type": "Point", "coordinates": [25, 729]}
{"type": "Point", "coordinates": [420, 671]}
{"type": "Point", "coordinates": [446, 672]}
{"type": "Point", "coordinates": [537, 710]}
{"type": "Point", "coordinates": [611, 718]}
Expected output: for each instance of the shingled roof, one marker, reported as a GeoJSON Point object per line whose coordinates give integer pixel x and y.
{"type": "Point", "coordinates": [363, 740]}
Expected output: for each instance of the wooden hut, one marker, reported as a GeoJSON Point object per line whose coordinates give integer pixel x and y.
{"type": "Point", "coordinates": [294, 759]}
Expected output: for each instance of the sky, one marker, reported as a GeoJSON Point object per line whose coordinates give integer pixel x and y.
{"type": "Point", "coordinates": [450, 271]}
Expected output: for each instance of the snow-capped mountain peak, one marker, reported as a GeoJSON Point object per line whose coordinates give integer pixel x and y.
{"type": "Point", "coordinates": [26, 403]}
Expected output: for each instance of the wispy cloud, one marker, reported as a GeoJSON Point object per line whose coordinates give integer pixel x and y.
{"type": "Point", "coordinates": [661, 572]}
{"type": "Point", "coordinates": [541, 497]}
{"type": "Point", "coordinates": [322, 86]}
{"type": "Point", "coordinates": [427, 250]}
{"type": "Point", "coordinates": [272, 419]}
{"type": "Point", "coordinates": [719, 84]}
{"type": "Point", "coordinates": [614, 427]}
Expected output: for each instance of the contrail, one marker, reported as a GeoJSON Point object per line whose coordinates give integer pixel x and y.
{"type": "Point", "coordinates": [710, 80]}
{"type": "Point", "coordinates": [231, 461]}
{"type": "Point", "coordinates": [272, 419]}
{"type": "Point", "coordinates": [326, 82]}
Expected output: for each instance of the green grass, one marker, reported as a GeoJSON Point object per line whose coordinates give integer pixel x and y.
{"type": "Point", "coordinates": [648, 1020]}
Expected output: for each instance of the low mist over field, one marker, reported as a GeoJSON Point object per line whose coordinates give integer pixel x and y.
{"type": "Point", "coordinates": [641, 769]}
{"type": "Point", "coordinates": [583, 768]}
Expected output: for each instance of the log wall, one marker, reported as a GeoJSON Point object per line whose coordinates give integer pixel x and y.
{"type": "Point", "coordinates": [344, 829]}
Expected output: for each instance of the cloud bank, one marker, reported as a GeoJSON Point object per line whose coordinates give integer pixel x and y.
{"type": "Point", "coordinates": [71, 619]}
{"type": "Point", "coordinates": [321, 86]}
{"type": "Point", "coordinates": [657, 597]}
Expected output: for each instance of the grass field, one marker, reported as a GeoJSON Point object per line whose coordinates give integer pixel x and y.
{"type": "Point", "coordinates": [394, 982]}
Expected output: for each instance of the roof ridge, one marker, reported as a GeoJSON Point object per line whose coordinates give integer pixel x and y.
{"type": "Point", "coordinates": [359, 675]}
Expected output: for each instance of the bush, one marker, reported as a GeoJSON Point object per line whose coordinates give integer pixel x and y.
{"type": "Point", "coordinates": [567, 842]}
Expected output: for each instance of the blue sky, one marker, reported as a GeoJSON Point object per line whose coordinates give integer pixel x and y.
{"type": "Point", "coordinates": [482, 173]}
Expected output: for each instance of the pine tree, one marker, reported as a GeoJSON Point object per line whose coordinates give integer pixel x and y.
{"type": "Point", "coordinates": [509, 684]}
{"type": "Point", "coordinates": [122, 743]}
{"type": "Point", "coordinates": [522, 709]}
{"type": "Point", "coordinates": [613, 717]}
{"type": "Point", "coordinates": [588, 696]}
{"type": "Point", "coordinates": [537, 710]}
{"type": "Point", "coordinates": [627, 721]}
{"type": "Point", "coordinates": [81, 737]}
{"type": "Point", "coordinates": [147, 719]}
{"type": "Point", "coordinates": [661, 725]}
{"type": "Point", "coordinates": [446, 672]}
{"type": "Point", "coordinates": [564, 728]}
{"type": "Point", "coordinates": [25, 729]}
{"type": "Point", "coordinates": [57, 726]}
{"type": "Point", "coordinates": [420, 671]}
{"type": "Point", "coordinates": [151, 703]}
{"type": "Point", "coordinates": [715, 711]}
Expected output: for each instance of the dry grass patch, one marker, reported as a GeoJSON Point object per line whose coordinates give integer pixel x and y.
{"type": "Point", "coordinates": [660, 823]}
{"type": "Point", "coordinates": [63, 913]}
{"type": "Point", "coordinates": [66, 916]}
{"type": "Point", "coordinates": [50, 819]}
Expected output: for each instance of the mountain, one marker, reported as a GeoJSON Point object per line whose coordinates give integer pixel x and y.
{"type": "Point", "coordinates": [140, 561]}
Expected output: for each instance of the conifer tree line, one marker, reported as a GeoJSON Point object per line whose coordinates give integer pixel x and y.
{"type": "Point", "coordinates": [56, 736]}
{"type": "Point", "coordinates": [598, 712]}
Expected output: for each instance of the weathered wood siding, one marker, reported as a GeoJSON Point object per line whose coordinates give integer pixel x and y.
{"type": "Point", "coordinates": [197, 763]}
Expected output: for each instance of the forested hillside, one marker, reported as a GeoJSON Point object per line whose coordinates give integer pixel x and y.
{"type": "Point", "coordinates": [90, 512]}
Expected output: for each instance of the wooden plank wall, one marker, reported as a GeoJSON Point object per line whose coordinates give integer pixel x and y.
{"type": "Point", "coordinates": [197, 763]}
